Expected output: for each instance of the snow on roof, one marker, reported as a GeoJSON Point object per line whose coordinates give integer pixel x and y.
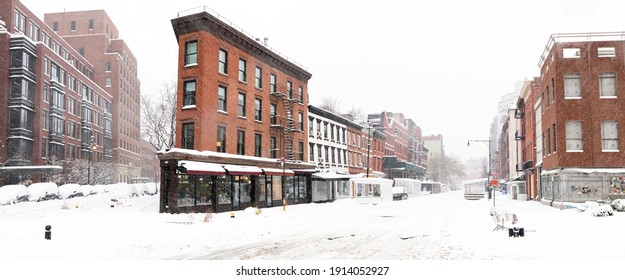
{"type": "Point", "coordinates": [331, 174]}
{"type": "Point", "coordinates": [215, 154]}
{"type": "Point", "coordinates": [242, 169]}
{"type": "Point", "coordinates": [202, 168]}
{"type": "Point", "coordinates": [406, 180]}
{"type": "Point", "coordinates": [583, 170]}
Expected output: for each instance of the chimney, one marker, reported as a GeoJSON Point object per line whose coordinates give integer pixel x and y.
{"type": "Point", "coordinates": [266, 39]}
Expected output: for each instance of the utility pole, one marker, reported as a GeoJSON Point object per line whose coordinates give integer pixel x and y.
{"type": "Point", "coordinates": [489, 141]}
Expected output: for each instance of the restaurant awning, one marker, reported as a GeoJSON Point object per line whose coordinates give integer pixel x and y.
{"type": "Point", "coordinates": [200, 168]}
{"type": "Point", "coordinates": [242, 170]}
{"type": "Point", "coordinates": [278, 172]}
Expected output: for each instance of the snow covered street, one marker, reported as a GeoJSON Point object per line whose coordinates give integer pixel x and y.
{"type": "Point", "coordinates": [443, 226]}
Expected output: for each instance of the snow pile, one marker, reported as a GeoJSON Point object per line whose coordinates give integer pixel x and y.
{"type": "Point", "coordinates": [151, 188]}
{"type": "Point", "coordinates": [618, 205]}
{"type": "Point", "coordinates": [42, 191]}
{"type": "Point", "coordinates": [121, 191]}
{"type": "Point", "coordinates": [596, 209]}
{"type": "Point", "coordinates": [11, 194]}
{"type": "Point", "coordinates": [71, 190]}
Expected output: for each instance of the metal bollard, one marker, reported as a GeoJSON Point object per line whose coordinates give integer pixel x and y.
{"type": "Point", "coordinates": [48, 234]}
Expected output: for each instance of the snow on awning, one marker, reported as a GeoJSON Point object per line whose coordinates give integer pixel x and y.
{"type": "Point", "coordinates": [278, 172]}
{"type": "Point", "coordinates": [304, 171]}
{"type": "Point", "coordinates": [201, 168]}
{"type": "Point", "coordinates": [242, 170]}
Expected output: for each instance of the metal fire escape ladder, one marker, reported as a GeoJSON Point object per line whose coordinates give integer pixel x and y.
{"type": "Point", "coordinates": [289, 126]}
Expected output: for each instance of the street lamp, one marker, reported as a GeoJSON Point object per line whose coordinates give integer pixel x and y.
{"type": "Point", "coordinates": [489, 141]}
{"type": "Point", "coordinates": [92, 147]}
{"type": "Point", "coordinates": [368, 145]}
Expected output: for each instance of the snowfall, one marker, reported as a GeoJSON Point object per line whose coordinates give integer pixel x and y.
{"type": "Point", "coordinates": [107, 233]}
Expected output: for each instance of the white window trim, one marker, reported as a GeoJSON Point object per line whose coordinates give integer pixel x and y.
{"type": "Point", "coordinates": [573, 97]}
{"type": "Point", "coordinates": [607, 97]}
{"type": "Point", "coordinates": [574, 151]}
{"type": "Point", "coordinates": [191, 65]}
{"type": "Point", "coordinates": [610, 151]}
{"type": "Point", "coordinates": [189, 107]}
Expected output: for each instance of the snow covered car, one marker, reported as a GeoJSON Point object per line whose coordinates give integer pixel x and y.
{"type": "Point", "coordinates": [399, 193]}
{"type": "Point", "coordinates": [11, 194]}
{"type": "Point", "coordinates": [122, 191]}
{"type": "Point", "coordinates": [70, 190]}
{"type": "Point", "coordinates": [42, 191]}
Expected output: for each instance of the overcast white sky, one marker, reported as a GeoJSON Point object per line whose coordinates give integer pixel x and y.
{"type": "Point", "coordinates": [444, 64]}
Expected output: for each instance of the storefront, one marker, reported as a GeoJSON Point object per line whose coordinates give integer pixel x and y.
{"type": "Point", "coordinates": [194, 181]}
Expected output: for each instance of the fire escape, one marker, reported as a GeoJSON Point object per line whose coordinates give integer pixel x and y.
{"type": "Point", "coordinates": [286, 125]}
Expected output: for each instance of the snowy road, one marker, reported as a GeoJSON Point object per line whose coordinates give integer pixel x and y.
{"type": "Point", "coordinates": [442, 226]}
{"type": "Point", "coordinates": [419, 228]}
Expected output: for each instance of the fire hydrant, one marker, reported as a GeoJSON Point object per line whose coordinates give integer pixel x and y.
{"type": "Point", "coordinates": [48, 234]}
{"type": "Point", "coordinates": [231, 214]}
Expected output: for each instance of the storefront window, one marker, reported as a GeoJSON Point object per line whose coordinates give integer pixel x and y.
{"type": "Point", "coordinates": [290, 188]}
{"type": "Point", "coordinates": [185, 193]}
{"type": "Point", "coordinates": [204, 190]}
{"type": "Point", "coordinates": [245, 184]}
{"type": "Point", "coordinates": [277, 187]}
{"type": "Point", "coordinates": [223, 189]}
{"type": "Point", "coordinates": [302, 187]}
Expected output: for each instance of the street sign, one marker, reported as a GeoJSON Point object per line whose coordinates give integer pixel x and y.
{"type": "Point", "coordinates": [494, 183]}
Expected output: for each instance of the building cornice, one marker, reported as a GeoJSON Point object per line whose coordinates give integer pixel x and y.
{"type": "Point", "coordinates": [206, 22]}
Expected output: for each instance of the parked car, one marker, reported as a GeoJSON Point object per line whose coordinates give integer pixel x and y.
{"type": "Point", "coordinates": [42, 191]}
{"type": "Point", "coordinates": [11, 194]}
{"type": "Point", "coordinates": [400, 193]}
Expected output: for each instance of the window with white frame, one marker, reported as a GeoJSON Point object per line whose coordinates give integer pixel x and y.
{"type": "Point", "coordinates": [606, 52]}
{"type": "Point", "coordinates": [573, 134]}
{"type": "Point", "coordinates": [572, 86]}
{"type": "Point", "coordinates": [607, 85]}
{"type": "Point", "coordinates": [609, 136]}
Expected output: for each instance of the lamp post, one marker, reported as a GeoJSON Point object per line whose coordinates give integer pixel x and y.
{"type": "Point", "coordinates": [489, 141]}
{"type": "Point", "coordinates": [91, 149]}
{"type": "Point", "coordinates": [368, 145]}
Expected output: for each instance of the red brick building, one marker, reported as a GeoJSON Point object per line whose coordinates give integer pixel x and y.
{"type": "Point", "coordinates": [52, 106]}
{"type": "Point", "coordinates": [579, 118]}
{"type": "Point", "coordinates": [525, 136]}
{"type": "Point", "coordinates": [115, 69]}
{"type": "Point", "coordinates": [243, 104]}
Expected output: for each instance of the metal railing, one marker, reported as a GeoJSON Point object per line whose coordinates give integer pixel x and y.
{"type": "Point", "coordinates": [579, 37]}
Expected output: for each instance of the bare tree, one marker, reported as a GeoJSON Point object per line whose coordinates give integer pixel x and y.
{"type": "Point", "coordinates": [330, 104]}
{"type": "Point", "coordinates": [443, 168]}
{"type": "Point", "coordinates": [357, 113]}
{"type": "Point", "coordinates": [158, 117]}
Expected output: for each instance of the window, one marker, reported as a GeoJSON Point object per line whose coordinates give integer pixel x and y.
{"type": "Point", "coordinates": [606, 52]}
{"type": "Point", "coordinates": [190, 53]}
{"type": "Point", "coordinates": [553, 90]}
{"type": "Point", "coordinates": [241, 105]}
{"type": "Point", "coordinates": [189, 93]}
{"type": "Point", "coordinates": [240, 142]}
{"type": "Point", "coordinates": [221, 139]}
{"type": "Point", "coordinates": [45, 93]}
{"type": "Point", "coordinates": [258, 145]}
{"type": "Point", "coordinates": [44, 147]}
{"type": "Point", "coordinates": [553, 145]}
{"type": "Point", "coordinates": [107, 82]}
{"type": "Point", "coordinates": [90, 24]}
{"type": "Point", "coordinates": [73, 25]}
{"type": "Point", "coordinates": [44, 120]}
{"type": "Point", "coordinates": [107, 67]}
{"type": "Point", "coordinates": [311, 152]}
{"type": "Point", "coordinates": [223, 61]}
{"type": "Point", "coordinates": [574, 141]}
{"type": "Point", "coordinates": [221, 99]}
{"type": "Point", "coordinates": [300, 118]}
{"type": "Point", "coordinates": [272, 147]}
{"type": "Point", "coordinates": [258, 109]}
{"type": "Point", "coordinates": [289, 89]}
{"type": "Point", "coordinates": [301, 150]}
{"type": "Point", "coordinates": [259, 77]}
{"type": "Point", "coordinates": [187, 136]}
{"type": "Point", "coordinates": [572, 86]}
{"type": "Point", "coordinates": [571, 53]}
{"type": "Point", "coordinates": [272, 113]}
{"type": "Point", "coordinates": [242, 70]}
{"type": "Point", "coordinates": [609, 136]}
{"type": "Point", "coordinates": [300, 94]}
{"type": "Point", "coordinates": [272, 83]}
{"type": "Point", "coordinates": [607, 85]}
{"type": "Point", "coordinates": [55, 26]}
